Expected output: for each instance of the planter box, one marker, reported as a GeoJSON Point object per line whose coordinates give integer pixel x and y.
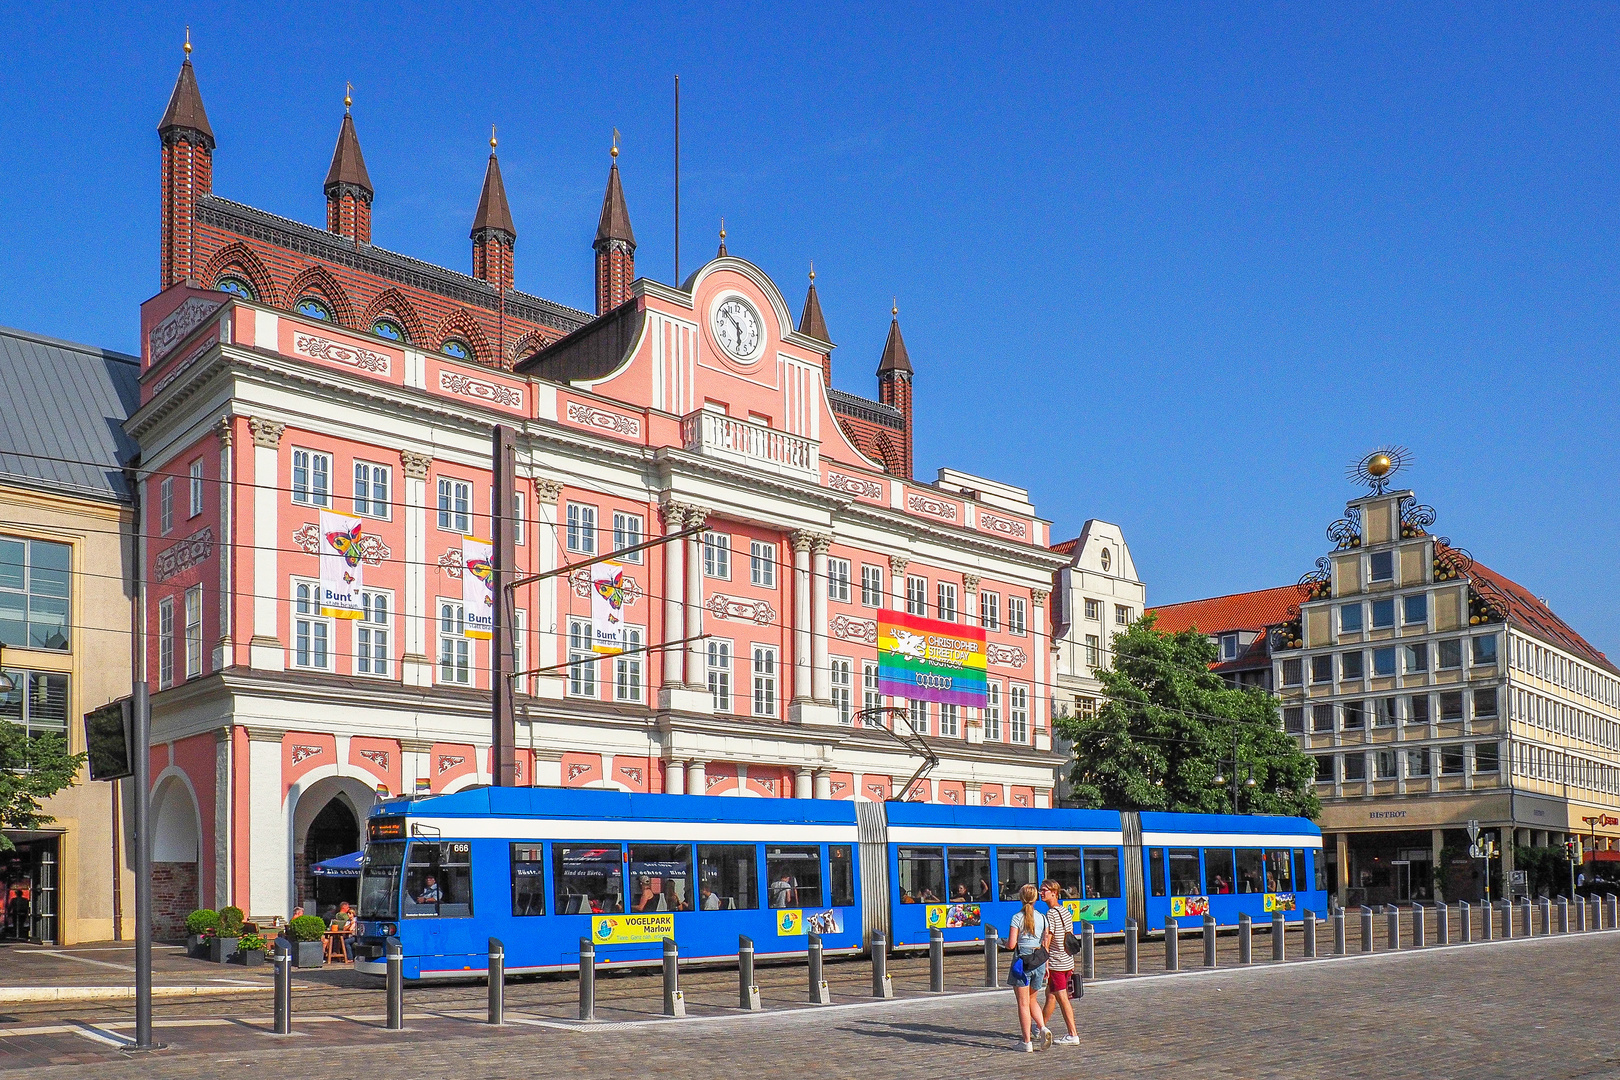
{"type": "Point", "coordinates": [221, 949]}
{"type": "Point", "coordinates": [248, 957]}
{"type": "Point", "coordinates": [308, 954]}
{"type": "Point", "coordinates": [195, 947]}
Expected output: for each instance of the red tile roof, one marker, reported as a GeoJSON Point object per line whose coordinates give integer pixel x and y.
{"type": "Point", "coordinates": [1529, 614]}
{"type": "Point", "coordinates": [1066, 547]}
{"type": "Point", "coordinates": [1239, 611]}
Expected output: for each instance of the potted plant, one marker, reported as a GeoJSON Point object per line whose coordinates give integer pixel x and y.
{"type": "Point", "coordinates": [306, 932]}
{"type": "Point", "coordinates": [203, 920]}
{"type": "Point", "coordinates": [223, 944]}
{"type": "Point", "coordinates": [250, 950]}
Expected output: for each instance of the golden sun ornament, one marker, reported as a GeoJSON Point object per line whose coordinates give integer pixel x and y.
{"type": "Point", "coordinates": [1379, 467]}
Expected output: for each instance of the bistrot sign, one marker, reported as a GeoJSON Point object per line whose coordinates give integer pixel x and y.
{"type": "Point", "coordinates": [931, 660]}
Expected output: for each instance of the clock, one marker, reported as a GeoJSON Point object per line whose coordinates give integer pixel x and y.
{"type": "Point", "coordinates": [736, 328]}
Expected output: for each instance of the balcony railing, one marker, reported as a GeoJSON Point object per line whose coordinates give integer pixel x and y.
{"type": "Point", "coordinates": [715, 434]}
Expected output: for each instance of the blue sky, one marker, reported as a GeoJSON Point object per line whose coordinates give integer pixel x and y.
{"type": "Point", "coordinates": [1171, 266]}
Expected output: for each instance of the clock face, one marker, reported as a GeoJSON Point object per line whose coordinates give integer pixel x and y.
{"type": "Point", "coordinates": [736, 328]}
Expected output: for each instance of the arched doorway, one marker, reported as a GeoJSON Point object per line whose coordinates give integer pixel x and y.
{"type": "Point", "coordinates": [335, 831]}
{"type": "Point", "coordinates": [176, 881]}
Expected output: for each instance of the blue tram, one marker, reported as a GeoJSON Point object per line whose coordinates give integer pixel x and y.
{"type": "Point", "coordinates": [542, 868]}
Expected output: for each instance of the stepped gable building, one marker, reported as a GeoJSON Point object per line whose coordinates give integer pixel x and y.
{"type": "Point", "coordinates": [271, 390]}
{"type": "Point", "coordinates": [1432, 691]}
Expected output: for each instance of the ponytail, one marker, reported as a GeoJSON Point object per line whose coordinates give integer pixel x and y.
{"type": "Point", "coordinates": [1028, 894]}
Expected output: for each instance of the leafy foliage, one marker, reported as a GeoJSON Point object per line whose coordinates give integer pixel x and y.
{"type": "Point", "coordinates": [201, 920]}
{"type": "Point", "coordinates": [230, 921]}
{"type": "Point", "coordinates": [1167, 731]}
{"type": "Point", "coordinates": [31, 770]}
{"type": "Point", "coordinates": [252, 943]}
{"type": "Point", "coordinates": [306, 928]}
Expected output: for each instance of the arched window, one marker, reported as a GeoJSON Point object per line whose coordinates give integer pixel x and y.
{"type": "Point", "coordinates": [314, 308]}
{"type": "Point", "coordinates": [457, 348]}
{"type": "Point", "coordinates": [236, 286]}
{"type": "Point", "coordinates": [389, 329]}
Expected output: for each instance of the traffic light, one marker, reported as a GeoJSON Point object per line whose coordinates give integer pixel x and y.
{"type": "Point", "coordinates": [1572, 850]}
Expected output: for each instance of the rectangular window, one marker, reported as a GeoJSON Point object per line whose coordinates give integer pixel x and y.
{"type": "Point", "coordinates": [1321, 718]}
{"type": "Point", "coordinates": [581, 659]}
{"type": "Point", "coordinates": [660, 877]}
{"type": "Point", "coordinates": [1294, 720]}
{"type": "Point", "coordinates": [588, 879]}
{"type": "Point", "coordinates": [35, 580]}
{"type": "Point", "coordinates": [921, 871]}
{"type": "Point", "coordinates": [1355, 767]}
{"type": "Point", "coordinates": [990, 610]}
{"type": "Point", "coordinates": [1415, 658]}
{"type": "Point", "coordinates": [1415, 609]}
{"type": "Point", "coordinates": [1293, 672]}
{"type": "Point", "coordinates": [968, 872]}
{"type": "Point", "coordinates": [438, 879]}
{"type": "Point", "coordinates": [166, 505]}
{"type": "Point", "coordinates": [1384, 765]}
{"type": "Point", "coordinates": [1352, 665]}
{"type": "Point", "coordinates": [1485, 757]}
{"type": "Point", "coordinates": [371, 635]}
{"type": "Point", "coordinates": [627, 533]}
{"type": "Point", "coordinates": [1321, 669]}
{"type": "Point", "coordinates": [1093, 609]}
{"type": "Point", "coordinates": [1485, 703]}
{"type": "Point", "coordinates": [1381, 566]}
{"type": "Point", "coordinates": [37, 703]}
{"type": "Point", "coordinates": [196, 488]}
{"type": "Point", "coordinates": [455, 506]}
{"type": "Point", "coordinates": [194, 632]}
{"type": "Point", "coordinates": [1485, 649]}
{"type": "Point", "coordinates": [1156, 870]}
{"type": "Point", "coordinates": [1102, 873]}
{"type": "Point", "coordinates": [311, 478]}
{"type": "Point", "coordinates": [312, 634]}
{"type": "Point", "coordinates": [581, 528]}
{"type": "Point", "coordinates": [519, 516]}
{"type": "Point", "coordinates": [871, 586]}
{"type": "Point", "coordinates": [762, 564]}
{"type": "Point", "coordinates": [1250, 870]}
{"type": "Point", "coordinates": [627, 680]}
{"type": "Point", "coordinates": [1383, 613]}
{"type": "Point", "coordinates": [1386, 711]}
{"type": "Point", "coordinates": [520, 646]}
{"type": "Point", "coordinates": [838, 580]}
{"type": "Point", "coordinates": [1355, 715]}
{"type": "Point", "coordinates": [1093, 651]}
{"type": "Point", "coordinates": [795, 876]}
{"type": "Point", "coordinates": [1015, 868]}
{"type": "Point", "coordinates": [1448, 654]}
{"type": "Point", "coordinates": [717, 556]}
{"type": "Point", "coordinates": [1229, 646]}
{"type": "Point", "coordinates": [1383, 662]}
{"type": "Point", "coordinates": [946, 595]}
{"type": "Point", "coordinates": [917, 715]}
{"type": "Point", "coordinates": [1279, 871]}
{"type": "Point", "coordinates": [950, 720]}
{"type": "Point", "coordinates": [455, 662]}
{"type": "Point", "coordinates": [1186, 879]}
{"type": "Point", "coordinates": [719, 666]}
{"type": "Point", "coordinates": [871, 698]}
{"type": "Point", "coordinates": [1451, 706]}
{"type": "Point", "coordinates": [764, 680]}
{"type": "Point", "coordinates": [1350, 619]}
{"type": "Point", "coordinates": [1122, 615]}
{"type": "Point", "coordinates": [528, 879]}
{"type": "Point", "coordinates": [1218, 871]}
{"type": "Point", "coordinates": [992, 713]}
{"type": "Point", "coordinates": [1018, 712]}
{"type": "Point", "coordinates": [1015, 615]}
{"type": "Point", "coordinates": [843, 688]}
{"type": "Point", "coordinates": [916, 596]}
{"type": "Point", "coordinates": [1417, 762]}
{"type": "Point", "coordinates": [1324, 768]}
{"type": "Point", "coordinates": [165, 642]}
{"type": "Point", "coordinates": [371, 489]}
{"type": "Point", "coordinates": [1420, 709]}
{"type": "Point", "coordinates": [727, 878]}
{"type": "Point", "coordinates": [1451, 760]}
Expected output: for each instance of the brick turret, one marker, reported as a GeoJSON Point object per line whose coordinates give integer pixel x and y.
{"type": "Point", "coordinates": [812, 323]}
{"type": "Point", "coordinates": [494, 236]}
{"type": "Point", "coordinates": [348, 185]}
{"type": "Point", "coordinates": [188, 174]}
{"type": "Point", "coordinates": [615, 243]}
{"type": "Point", "coordinates": [894, 388]}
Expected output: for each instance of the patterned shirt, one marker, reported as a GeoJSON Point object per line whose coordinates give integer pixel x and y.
{"type": "Point", "coordinates": [1059, 920]}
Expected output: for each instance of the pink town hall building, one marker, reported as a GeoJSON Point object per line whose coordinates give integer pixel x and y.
{"type": "Point", "coordinates": [290, 370]}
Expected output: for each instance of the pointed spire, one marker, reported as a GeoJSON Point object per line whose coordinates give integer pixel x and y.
{"type": "Point", "coordinates": [614, 223]}
{"type": "Point", "coordinates": [810, 320]}
{"type": "Point", "coordinates": [348, 164]}
{"type": "Point", "coordinates": [185, 112]}
{"type": "Point", "coordinates": [722, 252]}
{"type": "Point", "coordinates": [493, 211]}
{"type": "Point", "coordinates": [894, 350]}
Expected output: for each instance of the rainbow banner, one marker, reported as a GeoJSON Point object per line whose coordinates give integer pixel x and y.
{"type": "Point", "coordinates": [930, 660]}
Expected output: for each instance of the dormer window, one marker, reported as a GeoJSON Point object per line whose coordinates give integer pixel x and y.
{"type": "Point", "coordinates": [235, 286]}
{"type": "Point", "coordinates": [388, 328]}
{"type": "Point", "coordinates": [313, 308]}
{"type": "Point", "coordinates": [457, 348]}
{"type": "Point", "coordinates": [1229, 646]}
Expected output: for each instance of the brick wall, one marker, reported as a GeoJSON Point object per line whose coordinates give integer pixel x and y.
{"type": "Point", "coordinates": [174, 896]}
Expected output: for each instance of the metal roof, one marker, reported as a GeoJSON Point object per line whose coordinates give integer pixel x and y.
{"type": "Point", "coordinates": [68, 402]}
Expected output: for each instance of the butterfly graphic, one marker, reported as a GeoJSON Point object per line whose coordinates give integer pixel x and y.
{"type": "Point", "coordinates": [483, 570]}
{"type": "Point", "coordinates": [612, 589]}
{"type": "Point", "coordinates": [346, 542]}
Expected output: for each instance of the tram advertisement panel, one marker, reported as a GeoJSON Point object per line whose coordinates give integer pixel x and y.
{"type": "Point", "coordinates": [953, 916]}
{"type": "Point", "coordinates": [1279, 901]}
{"type": "Point", "coordinates": [792, 922]}
{"type": "Point", "coordinates": [1087, 910]}
{"type": "Point", "coordinates": [632, 929]}
{"type": "Point", "coordinates": [1182, 907]}
{"type": "Point", "coordinates": [931, 660]}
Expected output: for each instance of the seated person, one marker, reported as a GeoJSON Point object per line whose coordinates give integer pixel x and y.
{"type": "Point", "coordinates": [707, 898]}
{"type": "Point", "coordinates": [343, 922]}
{"type": "Point", "coordinates": [431, 893]}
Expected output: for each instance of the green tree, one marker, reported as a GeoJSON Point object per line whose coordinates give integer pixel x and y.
{"type": "Point", "coordinates": [31, 769]}
{"type": "Point", "coordinates": [1166, 732]}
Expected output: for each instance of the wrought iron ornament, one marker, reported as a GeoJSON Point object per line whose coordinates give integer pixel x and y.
{"type": "Point", "coordinates": [1379, 467]}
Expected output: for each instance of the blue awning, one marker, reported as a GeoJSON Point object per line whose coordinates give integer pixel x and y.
{"type": "Point", "coordinates": [342, 866]}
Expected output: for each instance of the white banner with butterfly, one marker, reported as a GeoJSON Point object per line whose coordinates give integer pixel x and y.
{"type": "Point", "coordinates": [607, 608]}
{"type": "Point", "coordinates": [478, 587]}
{"type": "Point", "coordinates": [342, 568]}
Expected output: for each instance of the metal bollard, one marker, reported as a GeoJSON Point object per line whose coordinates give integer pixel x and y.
{"type": "Point", "coordinates": [396, 987]}
{"type": "Point", "coordinates": [1563, 915]}
{"type": "Point", "coordinates": [1526, 927]}
{"type": "Point", "coordinates": [1172, 944]}
{"type": "Point", "coordinates": [1392, 926]}
{"type": "Point", "coordinates": [1310, 934]}
{"type": "Point", "coordinates": [283, 962]}
{"type": "Point", "coordinates": [1442, 930]}
{"type": "Point", "coordinates": [1338, 932]}
{"type": "Point", "coordinates": [747, 991]}
{"type": "Point", "coordinates": [882, 985]}
{"type": "Point", "coordinates": [1465, 920]}
{"type": "Point", "coordinates": [819, 994]}
{"type": "Point", "coordinates": [992, 959]}
{"type": "Point", "coordinates": [1245, 931]}
{"type": "Point", "coordinates": [497, 981]}
{"type": "Point", "coordinates": [674, 1000]}
{"type": "Point", "coordinates": [1088, 953]}
{"type": "Point", "coordinates": [1419, 930]}
{"type": "Point", "coordinates": [1612, 902]}
{"type": "Point", "coordinates": [936, 960]}
{"type": "Point", "coordinates": [587, 979]}
{"type": "Point", "coordinates": [1210, 930]}
{"type": "Point", "coordinates": [1130, 946]}
{"type": "Point", "coordinates": [1279, 937]}
{"type": "Point", "coordinates": [1507, 920]}
{"type": "Point", "coordinates": [1487, 919]}
{"type": "Point", "coordinates": [1594, 917]}
{"type": "Point", "coordinates": [1366, 929]}
{"type": "Point", "coordinates": [1544, 907]}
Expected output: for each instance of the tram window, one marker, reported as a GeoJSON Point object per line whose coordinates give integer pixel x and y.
{"type": "Point", "coordinates": [1218, 869]}
{"type": "Point", "coordinates": [1063, 866]}
{"type": "Point", "coordinates": [795, 876]}
{"type": "Point", "coordinates": [528, 879]}
{"type": "Point", "coordinates": [969, 874]}
{"type": "Point", "coordinates": [841, 862]}
{"type": "Point", "coordinates": [1184, 877]}
{"type": "Point", "coordinates": [1279, 871]}
{"type": "Point", "coordinates": [1015, 868]}
{"type": "Point", "coordinates": [1156, 870]}
{"type": "Point", "coordinates": [379, 881]}
{"type": "Point", "coordinates": [1319, 867]}
{"type": "Point", "coordinates": [438, 879]}
{"type": "Point", "coordinates": [727, 880]}
{"type": "Point", "coordinates": [588, 879]}
{"type": "Point", "coordinates": [1102, 873]}
{"type": "Point", "coordinates": [922, 875]}
{"type": "Point", "coordinates": [1250, 870]}
{"type": "Point", "coordinates": [660, 877]}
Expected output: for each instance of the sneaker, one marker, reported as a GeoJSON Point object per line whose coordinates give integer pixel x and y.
{"type": "Point", "coordinates": [1046, 1038]}
{"type": "Point", "coordinates": [1069, 1040]}
{"type": "Point", "coordinates": [1028, 1049]}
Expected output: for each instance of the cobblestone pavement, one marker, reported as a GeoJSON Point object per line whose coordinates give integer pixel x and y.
{"type": "Point", "coordinates": [1515, 1008]}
